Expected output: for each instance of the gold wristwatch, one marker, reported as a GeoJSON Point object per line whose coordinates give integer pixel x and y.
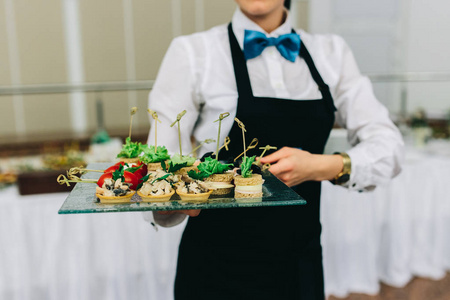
{"type": "Point", "coordinates": [344, 175]}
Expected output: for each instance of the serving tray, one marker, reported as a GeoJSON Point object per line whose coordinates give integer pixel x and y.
{"type": "Point", "coordinates": [82, 199]}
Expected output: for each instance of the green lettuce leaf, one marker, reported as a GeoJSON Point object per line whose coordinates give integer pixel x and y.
{"type": "Point", "coordinates": [172, 168]}
{"type": "Point", "coordinates": [151, 157]}
{"type": "Point", "coordinates": [209, 167]}
{"type": "Point", "coordinates": [177, 159]}
{"type": "Point", "coordinates": [131, 149]}
{"type": "Point", "coordinates": [246, 166]}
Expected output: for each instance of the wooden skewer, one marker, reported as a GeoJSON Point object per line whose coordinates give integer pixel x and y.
{"type": "Point", "coordinates": [63, 180]}
{"type": "Point", "coordinates": [221, 117]}
{"type": "Point", "coordinates": [155, 116]}
{"type": "Point", "coordinates": [225, 144]}
{"type": "Point", "coordinates": [207, 141]}
{"type": "Point", "coordinates": [132, 112]}
{"type": "Point", "coordinates": [179, 116]}
{"type": "Point", "coordinates": [267, 147]}
{"type": "Point", "coordinates": [242, 126]}
{"type": "Point", "coordinates": [252, 145]}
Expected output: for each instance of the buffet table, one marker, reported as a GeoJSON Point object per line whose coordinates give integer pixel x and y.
{"type": "Point", "coordinates": [391, 234]}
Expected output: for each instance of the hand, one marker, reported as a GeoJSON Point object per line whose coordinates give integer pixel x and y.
{"type": "Point", "coordinates": [189, 212]}
{"type": "Point", "coordinates": [294, 166]}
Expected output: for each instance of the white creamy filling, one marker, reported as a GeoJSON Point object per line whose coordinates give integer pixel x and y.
{"type": "Point", "coordinates": [220, 185]}
{"type": "Point", "coordinates": [248, 189]}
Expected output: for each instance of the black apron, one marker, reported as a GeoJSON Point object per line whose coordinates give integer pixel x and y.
{"type": "Point", "coordinates": [267, 252]}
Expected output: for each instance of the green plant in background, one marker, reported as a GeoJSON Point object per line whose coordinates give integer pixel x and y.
{"type": "Point", "coordinates": [419, 119]}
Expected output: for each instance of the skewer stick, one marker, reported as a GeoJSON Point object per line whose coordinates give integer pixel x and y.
{"type": "Point", "coordinates": [242, 126]}
{"type": "Point", "coordinates": [267, 147]}
{"type": "Point", "coordinates": [179, 116]}
{"type": "Point", "coordinates": [81, 170]}
{"type": "Point", "coordinates": [221, 117]}
{"type": "Point", "coordinates": [252, 145]}
{"type": "Point", "coordinates": [63, 180]}
{"type": "Point", "coordinates": [207, 141]}
{"type": "Point", "coordinates": [132, 112]}
{"type": "Point", "coordinates": [155, 116]}
{"type": "Point", "coordinates": [225, 144]}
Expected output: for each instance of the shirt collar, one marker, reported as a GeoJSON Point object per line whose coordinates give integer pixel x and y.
{"type": "Point", "coordinates": [240, 22]}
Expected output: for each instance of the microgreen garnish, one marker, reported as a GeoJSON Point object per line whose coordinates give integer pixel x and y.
{"type": "Point", "coordinates": [209, 167]}
{"type": "Point", "coordinates": [133, 169]}
{"type": "Point", "coordinates": [246, 166]}
{"type": "Point", "coordinates": [172, 167]}
{"type": "Point", "coordinates": [160, 178]}
{"type": "Point", "coordinates": [118, 174]}
{"type": "Point", "coordinates": [142, 180]}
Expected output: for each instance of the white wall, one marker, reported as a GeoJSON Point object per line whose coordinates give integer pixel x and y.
{"type": "Point", "coordinates": [393, 36]}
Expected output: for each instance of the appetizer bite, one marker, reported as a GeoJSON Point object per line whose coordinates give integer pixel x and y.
{"type": "Point", "coordinates": [112, 187]}
{"type": "Point", "coordinates": [131, 150]}
{"type": "Point", "coordinates": [153, 156]}
{"type": "Point", "coordinates": [116, 187]}
{"type": "Point", "coordinates": [217, 175]}
{"type": "Point", "coordinates": [190, 189]}
{"type": "Point", "coordinates": [248, 185]}
{"type": "Point", "coordinates": [157, 186]}
{"type": "Point", "coordinates": [185, 163]}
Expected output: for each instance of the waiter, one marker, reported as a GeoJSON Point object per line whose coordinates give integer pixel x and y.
{"type": "Point", "coordinates": [288, 87]}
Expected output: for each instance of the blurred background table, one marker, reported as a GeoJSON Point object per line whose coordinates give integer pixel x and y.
{"type": "Point", "coordinates": [396, 232]}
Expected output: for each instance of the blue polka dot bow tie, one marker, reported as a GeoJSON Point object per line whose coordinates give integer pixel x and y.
{"type": "Point", "coordinates": [255, 42]}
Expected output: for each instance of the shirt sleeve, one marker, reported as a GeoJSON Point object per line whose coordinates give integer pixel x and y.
{"type": "Point", "coordinates": [174, 91]}
{"type": "Point", "coordinates": [377, 145]}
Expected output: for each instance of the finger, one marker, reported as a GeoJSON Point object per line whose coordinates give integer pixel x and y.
{"type": "Point", "coordinates": [284, 165]}
{"type": "Point", "coordinates": [192, 212]}
{"type": "Point", "coordinates": [276, 156]}
{"type": "Point", "coordinates": [164, 212]}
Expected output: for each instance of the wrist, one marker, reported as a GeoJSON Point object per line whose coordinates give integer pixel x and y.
{"type": "Point", "coordinates": [344, 175]}
{"type": "Point", "coordinates": [329, 166]}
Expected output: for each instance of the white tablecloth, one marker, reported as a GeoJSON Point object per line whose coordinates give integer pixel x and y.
{"type": "Point", "coordinates": [391, 234]}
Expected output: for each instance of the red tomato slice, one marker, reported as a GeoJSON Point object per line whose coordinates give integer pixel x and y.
{"type": "Point", "coordinates": [112, 169]}
{"type": "Point", "coordinates": [102, 178]}
{"type": "Point", "coordinates": [131, 178]}
{"type": "Point", "coordinates": [141, 172]}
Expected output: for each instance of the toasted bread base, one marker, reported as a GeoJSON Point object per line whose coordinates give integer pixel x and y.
{"type": "Point", "coordinates": [254, 180]}
{"type": "Point", "coordinates": [130, 160]}
{"type": "Point", "coordinates": [225, 178]}
{"type": "Point", "coordinates": [247, 195]}
{"type": "Point", "coordinates": [185, 170]}
{"type": "Point", "coordinates": [154, 166]}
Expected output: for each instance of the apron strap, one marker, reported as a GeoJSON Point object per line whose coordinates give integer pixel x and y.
{"type": "Point", "coordinates": [323, 87]}
{"type": "Point", "coordinates": [243, 84]}
{"type": "Point", "coordinates": [244, 87]}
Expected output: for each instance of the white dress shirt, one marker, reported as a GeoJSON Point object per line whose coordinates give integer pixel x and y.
{"type": "Point", "coordinates": [197, 75]}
